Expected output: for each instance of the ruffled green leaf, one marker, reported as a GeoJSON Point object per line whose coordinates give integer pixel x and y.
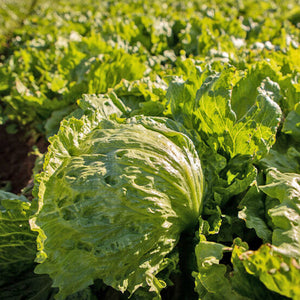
{"type": "Point", "coordinates": [254, 214]}
{"type": "Point", "coordinates": [251, 134]}
{"type": "Point", "coordinates": [291, 125]}
{"type": "Point", "coordinates": [17, 241]}
{"type": "Point", "coordinates": [286, 215]}
{"type": "Point", "coordinates": [244, 283]}
{"type": "Point", "coordinates": [279, 273]}
{"type": "Point", "coordinates": [142, 97]}
{"type": "Point", "coordinates": [211, 279]}
{"type": "Point", "coordinates": [182, 91]}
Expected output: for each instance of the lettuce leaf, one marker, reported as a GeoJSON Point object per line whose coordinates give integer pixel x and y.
{"type": "Point", "coordinates": [285, 214]}
{"type": "Point", "coordinates": [17, 241]}
{"type": "Point", "coordinates": [279, 273]}
{"type": "Point", "coordinates": [254, 213]}
{"type": "Point", "coordinates": [253, 133]}
{"type": "Point", "coordinates": [212, 280]}
{"type": "Point", "coordinates": [244, 282]}
{"type": "Point", "coordinates": [291, 125]}
{"type": "Point", "coordinates": [276, 220]}
{"type": "Point", "coordinates": [285, 154]}
{"type": "Point", "coordinates": [210, 103]}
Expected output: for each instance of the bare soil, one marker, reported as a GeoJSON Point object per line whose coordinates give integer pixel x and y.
{"type": "Point", "coordinates": [16, 159]}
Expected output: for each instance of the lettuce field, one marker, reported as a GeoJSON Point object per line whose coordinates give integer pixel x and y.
{"type": "Point", "coordinates": [150, 150]}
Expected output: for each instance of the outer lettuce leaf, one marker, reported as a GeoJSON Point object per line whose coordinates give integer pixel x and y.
{"type": "Point", "coordinates": [52, 123]}
{"type": "Point", "coordinates": [104, 105]}
{"type": "Point", "coordinates": [254, 214]}
{"type": "Point", "coordinates": [278, 272]}
{"type": "Point", "coordinates": [212, 283]}
{"type": "Point", "coordinates": [276, 265]}
{"type": "Point", "coordinates": [285, 155]}
{"type": "Point", "coordinates": [211, 279]}
{"type": "Point", "coordinates": [254, 210]}
{"type": "Point", "coordinates": [222, 198]}
{"type": "Point", "coordinates": [113, 200]}
{"type": "Point", "coordinates": [107, 71]}
{"type": "Point", "coordinates": [291, 125]}
{"type": "Point", "coordinates": [215, 112]}
{"type": "Point", "coordinates": [275, 69]}
{"type": "Point", "coordinates": [142, 97]}
{"type": "Point", "coordinates": [224, 177]}
{"type": "Point", "coordinates": [285, 159]}
{"type": "Point", "coordinates": [17, 241]}
{"type": "Point", "coordinates": [216, 280]}
{"type": "Point", "coordinates": [286, 215]}
{"type": "Point", "coordinates": [246, 90]}
{"type": "Point", "coordinates": [182, 91]}
{"type": "Point", "coordinates": [244, 283]}
{"type": "Point", "coordinates": [276, 219]}
{"type": "Point", "coordinates": [251, 134]}
{"type": "Point", "coordinates": [234, 179]}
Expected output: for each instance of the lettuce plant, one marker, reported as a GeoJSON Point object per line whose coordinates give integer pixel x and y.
{"type": "Point", "coordinates": [114, 197]}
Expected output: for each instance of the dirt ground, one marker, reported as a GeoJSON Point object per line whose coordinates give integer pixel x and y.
{"type": "Point", "coordinates": [16, 160]}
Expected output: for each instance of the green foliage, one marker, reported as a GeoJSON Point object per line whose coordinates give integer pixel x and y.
{"type": "Point", "coordinates": [279, 273]}
{"type": "Point", "coordinates": [133, 95]}
{"type": "Point", "coordinates": [17, 245]}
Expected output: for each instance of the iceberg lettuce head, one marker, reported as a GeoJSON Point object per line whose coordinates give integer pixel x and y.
{"type": "Point", "coordinates": [114, 197]}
